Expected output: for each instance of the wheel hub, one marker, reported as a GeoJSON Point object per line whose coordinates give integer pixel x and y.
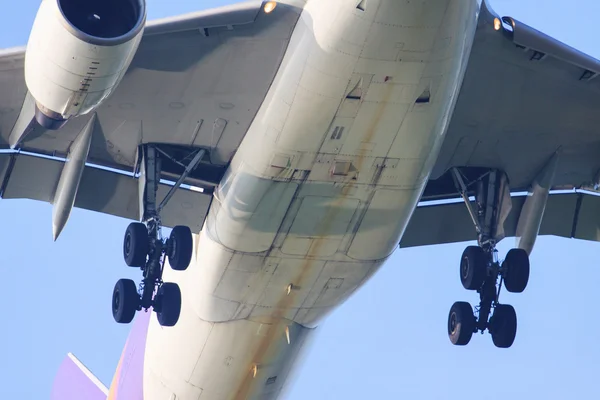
{"type": "Point", "coordinates": [128, 243]}
{"type": "Point", "coordinates": [116, 301]}
{"type": "Point", "coordinates": [464, 268]}
{"type": "Point", "coordinates": [453, 323]}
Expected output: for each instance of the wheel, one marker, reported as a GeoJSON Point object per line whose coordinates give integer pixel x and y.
{"type": "Point", "coordinates": [180, 248]}
{"type": "Point", "coordinates": [135, 245]}
{"type": "Point", "coordinates": [461, 323]}
{"type": "Point", "coordinates": [125, 301]}
{"type": "Point", "coordinates": [473, 265]}
{"type": "Point", "coordinates": [168, 304]}
{"type": "Point", "coordinates": [503, 326]}
{"type": "Point", "coordinates": [516, 266]}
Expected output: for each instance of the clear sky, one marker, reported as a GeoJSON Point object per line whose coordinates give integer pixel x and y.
{"type": "Point", "coordinates": [389, 341]}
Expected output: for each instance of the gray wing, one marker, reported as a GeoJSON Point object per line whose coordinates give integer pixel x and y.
{"type": "Point", "coordinates": [197, 81]}
{"type": "Point", "coordinates": [525, 97]}
{"type": "Point", "coordinates": [569, 215]}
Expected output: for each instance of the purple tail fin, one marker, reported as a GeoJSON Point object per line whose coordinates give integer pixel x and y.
{"type": "Point", "coordinates": [75, 382]}
{"type": "Point", "coordinates": [128, 381]}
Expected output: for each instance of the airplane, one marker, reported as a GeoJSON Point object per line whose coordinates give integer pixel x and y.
{"type": "Point", "coordinates": [291, 146]}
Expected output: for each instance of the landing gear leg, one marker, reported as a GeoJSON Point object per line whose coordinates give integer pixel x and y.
{"type": "Point", "coordinates": [480, 269]}
{"type": "Point", "coordinates": [144, 247]}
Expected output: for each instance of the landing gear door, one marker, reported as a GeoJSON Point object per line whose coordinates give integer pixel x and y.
{"type": "Point", "coordinates": [141, 168]}
{"type": "Point", "coordinates": [148, 182]}
{"type": "Point", "coordinates": [504, 207]}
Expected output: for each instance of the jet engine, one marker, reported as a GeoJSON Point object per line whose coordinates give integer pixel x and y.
{"type": "Point", "coordinates": [78, 52]}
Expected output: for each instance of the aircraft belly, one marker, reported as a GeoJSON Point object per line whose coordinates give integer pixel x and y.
{"type": "Point", "coordinates": [320, 191]}
{"type": "Point", "coordinates": [331, 169]}
{"type": "Point", "coordinates": [203, 360]}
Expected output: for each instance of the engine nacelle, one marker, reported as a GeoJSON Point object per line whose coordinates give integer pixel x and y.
{"type": "Point", "coordinates": [78, 52]}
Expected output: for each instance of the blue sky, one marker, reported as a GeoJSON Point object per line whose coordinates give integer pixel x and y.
{"type": "Point", "coordinates": [387, 342]}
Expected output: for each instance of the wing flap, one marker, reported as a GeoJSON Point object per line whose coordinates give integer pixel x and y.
{"type": "Point", "coordinates": [28, 177]}
{"type": "Point", "coordinates": [570, 215]}
{"type": "Point", "coordinates": [36, 178]}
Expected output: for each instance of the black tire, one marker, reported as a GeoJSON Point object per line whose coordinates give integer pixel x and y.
{"type": "Point", "coordinates": [180, 248]}
{"type": "Point", "coordinates": [461, 323]}
{"type": "Point", "coordinates": [125, 301]}
{"type": "Point", "coordinates": [473, 267]}
{"type": "Point", "coordinates": [135, 245]}
{"type": "Point", "coordinates": [168, 304]}
{"type": "Point", "coordinates": [503, 326]}
{"type": "Point", "coordinates": [516, 267]}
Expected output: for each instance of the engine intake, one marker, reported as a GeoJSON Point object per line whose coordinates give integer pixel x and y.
{"type": "Point", "coordinates": [78, 52]}
{"type": "Point", "coordinates": [106, 19]}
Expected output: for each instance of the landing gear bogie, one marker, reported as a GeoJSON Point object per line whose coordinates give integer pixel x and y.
{"type": "Point", "coordinates": [164, 298]}
{"type": "Point", "coordinates": [499, 319]}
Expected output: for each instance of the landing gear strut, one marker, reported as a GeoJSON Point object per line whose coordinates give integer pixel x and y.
{"type": "Point", "coordinates": [481, 270]}
{"type": "Point", "coordinates": [144, 247]}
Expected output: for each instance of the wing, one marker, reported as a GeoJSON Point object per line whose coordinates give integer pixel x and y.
{"type": "Point", "coordinates": [568, 215]}
{"type": "Point", "coordinates": [197, 81]}
{"type": "Point", "coordinates": [525, 96]}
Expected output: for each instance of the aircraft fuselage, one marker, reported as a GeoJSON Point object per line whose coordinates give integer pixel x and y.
{"type": "Point", "coordinates": [318, 195]}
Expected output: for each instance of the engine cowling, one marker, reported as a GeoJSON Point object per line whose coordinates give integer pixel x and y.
{"type": "Point", "coordinates": [78, 52]}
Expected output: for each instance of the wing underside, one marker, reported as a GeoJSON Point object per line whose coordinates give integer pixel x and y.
{"type": "Point", "coordinates": [35, 177]}
{"type": "Point", "coordinates": [525, 98]}
{"type": "Point", "coordinates": [569, 215]}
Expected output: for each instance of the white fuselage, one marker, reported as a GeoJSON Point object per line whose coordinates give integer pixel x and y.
{"type": "Point", "coordinates": [317, 196]}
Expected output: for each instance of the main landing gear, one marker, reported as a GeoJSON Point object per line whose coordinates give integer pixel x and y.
{"type": "Point", "coordinates": [144, 247]}
{"type": "Point", "coordinates": [481, 271]}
